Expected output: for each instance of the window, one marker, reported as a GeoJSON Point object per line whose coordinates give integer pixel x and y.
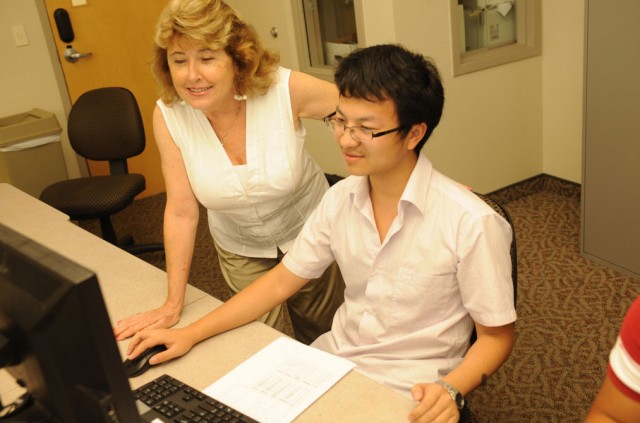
{"type": "Point", "coordinates": [330, 29]}
{"type": "Point", "coordinates": [488, 33]}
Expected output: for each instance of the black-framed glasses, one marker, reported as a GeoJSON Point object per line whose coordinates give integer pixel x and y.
{"type": "Point", "coordinates": [357, 133]}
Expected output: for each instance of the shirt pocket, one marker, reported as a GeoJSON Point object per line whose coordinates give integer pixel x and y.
{"type": "Point", "coordinates": [420, 300]}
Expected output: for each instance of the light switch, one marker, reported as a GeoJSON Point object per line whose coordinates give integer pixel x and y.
{"type": "Point", "coordinates": [19, 35]}
{"type": "Point", "coordinates": [78, 3]}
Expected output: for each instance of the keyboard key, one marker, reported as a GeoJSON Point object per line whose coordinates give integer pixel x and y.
{"type": "Point", "coordinates": [177, 401]}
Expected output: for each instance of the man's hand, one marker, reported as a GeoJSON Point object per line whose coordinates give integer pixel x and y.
{"type": "Point", "coordinates": [434, 404]}
{"type": "Point", "coordinates": [162, 317]}
{"type": "Point", "coordinates": [178, 343]}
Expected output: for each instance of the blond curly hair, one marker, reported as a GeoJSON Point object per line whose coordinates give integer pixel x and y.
{"type": "Point", "coordinates": [215, 25]}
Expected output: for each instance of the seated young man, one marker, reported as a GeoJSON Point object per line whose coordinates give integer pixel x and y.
{"type": "Point", "coordinates": [423, 258]}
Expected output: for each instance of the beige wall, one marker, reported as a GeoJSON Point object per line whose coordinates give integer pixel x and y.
{"type": "Point", "coordinates": [500, 125]}
{"type": "Point", "coordinates": [562, 88]}
{"type": "Point", "coordinates": [490, 134]}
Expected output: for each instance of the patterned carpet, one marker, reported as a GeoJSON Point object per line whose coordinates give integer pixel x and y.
{"type": "Point", "coordinates": [569, 308]}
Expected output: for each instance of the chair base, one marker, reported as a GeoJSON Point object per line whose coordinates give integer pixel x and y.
{"type": "Point", "coordinates": [126, 242]}
{"type": "Point", "coordinates": [136, 249]}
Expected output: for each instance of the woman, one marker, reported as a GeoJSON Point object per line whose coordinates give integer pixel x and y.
{"type": "Point", "coordinates": [229, 134]}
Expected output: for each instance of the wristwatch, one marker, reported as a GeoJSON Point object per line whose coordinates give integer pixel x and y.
{"type": "Point", "coordinates": [455, 394]}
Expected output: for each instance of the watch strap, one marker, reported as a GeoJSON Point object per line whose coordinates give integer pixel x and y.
{"type": "Point", "coordinates": [455, 394]}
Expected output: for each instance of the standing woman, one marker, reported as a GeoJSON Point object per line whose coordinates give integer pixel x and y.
{"type": "Point", "coordinates": [230, 138]}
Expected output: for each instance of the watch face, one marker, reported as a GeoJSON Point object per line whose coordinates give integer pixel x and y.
{"type": "Point", "coordinates": [459, 400]}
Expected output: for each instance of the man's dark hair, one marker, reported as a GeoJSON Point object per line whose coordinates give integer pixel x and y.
{"type": "Point", "coordinates": [390, 71]}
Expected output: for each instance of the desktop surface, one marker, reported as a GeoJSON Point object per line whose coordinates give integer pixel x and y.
{"type": "Point", "coordinates": [354, 397]}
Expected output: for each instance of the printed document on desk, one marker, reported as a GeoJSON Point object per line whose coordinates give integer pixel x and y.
{"type": "Point", "coordinates": [280, 381]}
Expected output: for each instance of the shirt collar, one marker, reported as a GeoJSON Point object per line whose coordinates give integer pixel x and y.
{"type": "Point", "coordinates": [414, 193]}
{"type": "Point", "coordinates": [418, 185]}
{"type": "Point", "coordinates": [360, 191]}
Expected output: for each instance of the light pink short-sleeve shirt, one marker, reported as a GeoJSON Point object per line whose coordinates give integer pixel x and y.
{"type": "Point", "coordinates": [410, 301]}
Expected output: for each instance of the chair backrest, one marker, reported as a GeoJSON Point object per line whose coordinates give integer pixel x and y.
{"type": "Point", "coordinates": [106, 124]}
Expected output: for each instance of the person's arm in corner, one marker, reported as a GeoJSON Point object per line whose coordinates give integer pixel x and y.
{"type": "Point", "coordinates": [311, 97]}
{"type": "Point", "coordinates": [486, 355]}
{"type": "Point", "coordinates": [611, 405]}
{"type": "Point", "coordinates": [619, 397]}
{"type": "Point", "coordinates": [271, 289]}
{"type": "Point", "coordinates": [180, 226]}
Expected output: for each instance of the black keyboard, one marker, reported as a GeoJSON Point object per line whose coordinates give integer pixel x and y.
{"type": "Point", "coordinates": [173, 401]}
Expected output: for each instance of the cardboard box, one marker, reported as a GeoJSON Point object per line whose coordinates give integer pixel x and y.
{"type": "Point", "coordinates": [35, 123]}
{"type": "Point", "coordinates": [30, 152]}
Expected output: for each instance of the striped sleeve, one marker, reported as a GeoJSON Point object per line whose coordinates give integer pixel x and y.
{"type": "Point", "coordinates": [624, 360]}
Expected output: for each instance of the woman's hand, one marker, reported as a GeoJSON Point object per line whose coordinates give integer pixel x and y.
{"type": "Point", "coordinates": [159, 318]}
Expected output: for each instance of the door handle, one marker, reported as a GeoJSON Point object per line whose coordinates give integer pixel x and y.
{"type": "Point", "coordinates": [72, 56]}
{"type": "Point", "coordinates": [63, 23]}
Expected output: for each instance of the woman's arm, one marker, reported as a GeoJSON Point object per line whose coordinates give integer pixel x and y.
{"type": "Point", "coordinates": [271, 289]}
{"type": "Point", "coordinates": [311, 97]}
{"type": "Point", "coordinates": [180, 226]}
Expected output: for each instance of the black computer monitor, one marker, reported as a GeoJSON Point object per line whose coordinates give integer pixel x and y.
{"type": "Point", "coordinates": [56, 338]}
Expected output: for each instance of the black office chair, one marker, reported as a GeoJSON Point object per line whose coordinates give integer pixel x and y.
{"type": "Point", "coordinates": [104, 124]}
{"type": "Point", "coordinates": [332, 178]}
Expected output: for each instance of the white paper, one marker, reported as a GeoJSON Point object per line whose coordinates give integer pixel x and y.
{"type": "Point", "coordinates": [280, 381]}
{"type": "Point", "coordinates": [504, 8]}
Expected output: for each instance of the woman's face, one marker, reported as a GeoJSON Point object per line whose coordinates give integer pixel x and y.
{"type": "Point", "coordinates": [204, 78]}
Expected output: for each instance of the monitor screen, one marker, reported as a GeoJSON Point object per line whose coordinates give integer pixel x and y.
{"type": "Point", "coordinates": [56, 338]}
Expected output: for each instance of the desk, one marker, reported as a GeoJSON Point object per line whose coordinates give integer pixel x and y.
{"type": "Point", "coordinates": [355, 397]}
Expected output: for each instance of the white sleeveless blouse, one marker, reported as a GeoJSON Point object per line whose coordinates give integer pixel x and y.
{"type": "Point", "coordinates": [283, 184]}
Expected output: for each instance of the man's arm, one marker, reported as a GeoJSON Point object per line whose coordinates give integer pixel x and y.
{"type": "Point", "coordinates": [271, 289]}
{"type": "Point", "coordinates": [486, 355]}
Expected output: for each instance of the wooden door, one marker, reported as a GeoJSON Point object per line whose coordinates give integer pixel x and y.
{"type": "Point", "coordinates": [119, 35]}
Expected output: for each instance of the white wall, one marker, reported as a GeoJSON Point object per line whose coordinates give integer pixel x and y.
{"type": "Point", "coordinates": [500, 125]}
{"type": "Point", "coordinates": [28, 75]}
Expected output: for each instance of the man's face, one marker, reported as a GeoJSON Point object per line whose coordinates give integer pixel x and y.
{"type": "Point", "coordinates": [371, 156]}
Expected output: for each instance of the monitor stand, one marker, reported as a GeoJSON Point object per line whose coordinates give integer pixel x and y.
{"type": "Point", "coordinates": [28, 410]}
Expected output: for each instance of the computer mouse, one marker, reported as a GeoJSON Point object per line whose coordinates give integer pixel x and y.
{"type": "Point", "coordinates": [140, 364]}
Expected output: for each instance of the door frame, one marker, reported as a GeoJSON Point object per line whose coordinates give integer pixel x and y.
{"type": "Point", "coordinates": [78, 167]}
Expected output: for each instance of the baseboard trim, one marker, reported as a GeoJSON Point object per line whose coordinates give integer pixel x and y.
{"type": "Point", "coordinates": [538, 183]}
